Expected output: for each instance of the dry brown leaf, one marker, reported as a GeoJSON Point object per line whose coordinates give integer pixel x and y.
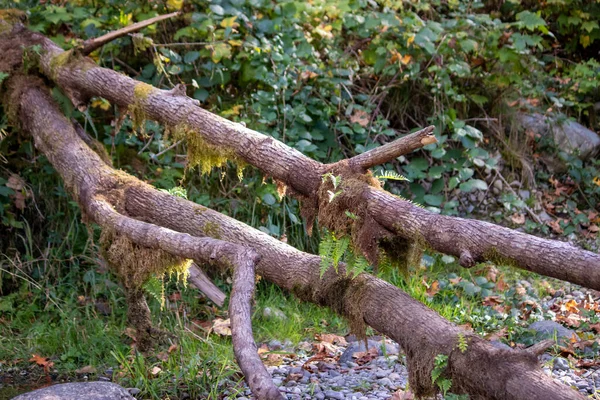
{"type": "Point", "coordinates": [402, 395]}
{"type": "Point", "coordinates": [433, 289]}
{"type": "Point", "coordinates": [360, 117]}
{"type": "Point", "coordinates": [162, 356]}
{"type": "Point", "coordinates": [155, 370]}
{"type": "Point", "coordinates": [42, 361]}
{"type": "Point", "coordinates": [88, 369]}
{"type": "Point", "coordinates": [331, 338]}
{"type": "Point", "coordinates": [222, 326]}
{"type": "Point", "coordinates": [518, 218]}
{"type": "Point", "coordinates": [172, 348]}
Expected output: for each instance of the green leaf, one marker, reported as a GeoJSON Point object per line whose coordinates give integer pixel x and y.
{"type": "Point", "coordinates": [220, 51]}
{"type": "Point", "coordinates": [434, 200]}
{"type": "Point", "coordinates": [269, 199]}
{"type": "Point", "coordinates": [473, 184]}
{"type": "Point", "coordinates": [529, 20]}
{"type": "Point", "coordinates": [191, 56]}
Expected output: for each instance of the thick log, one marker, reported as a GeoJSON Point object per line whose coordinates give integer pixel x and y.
{"type": "Point", "coordinates": [82, 79]}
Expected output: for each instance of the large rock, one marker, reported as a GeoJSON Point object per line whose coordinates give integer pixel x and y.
{"type": "Point", "coordinates": [568, 135]}
{"type": "Point", "coordinates": [78, 391]}
{"type": "Point", "coordinates": [553, 330]}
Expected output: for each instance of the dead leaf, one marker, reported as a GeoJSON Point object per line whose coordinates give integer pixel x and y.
{"type": "Point", "coordinates": [518, 218]}
{"type": "Point", "coordinates": [364, 357]}
{"type": "Point", "coordinates": [42, 362]}
{"type": "Point", "coordinates": [162, 356]}
{"type": "Point", "coordinates": [155, 370]}
{"type": "Point", "coordinates": [17, 183]}
{"type": "Point", "coordinates": [88, 369]}
{"type": "Point", "coordinates": [360, 117]}
{"type": "Point", "coordinates": [222, 326]}
{"type": "Point", "coordinates": [570, 306]}
{"type": "Point", "coordinates": [433, 289]}
{"type": "Point", "coordinates": [331, 338]}
{"type": "Point", "coordinates": [402, 395]}
{"type": "Point", "coordinates": [172, 348]}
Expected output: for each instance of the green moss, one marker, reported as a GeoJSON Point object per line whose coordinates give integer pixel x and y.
{"type": "Point", "coordinates": [58, 61]}
{"type": "Point", "coordinates": [203, 154]}
{"type": "Point", "coordinates": [212, 229]}
{"type": "Point", "coordinates": [141, 92]}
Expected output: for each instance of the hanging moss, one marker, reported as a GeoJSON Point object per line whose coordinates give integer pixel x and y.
{"type": "Point", "coordinates": [202, 154]}
{"type": "Point", "coordinates": [135, 264]}
{"type": "Point", "coordinates": [141, 92]}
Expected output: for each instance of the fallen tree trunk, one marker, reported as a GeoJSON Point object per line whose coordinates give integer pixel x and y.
{"type": "Point", "coordinates": [481, 370]}
{"type": "Point", "coordinates": [470, 240]}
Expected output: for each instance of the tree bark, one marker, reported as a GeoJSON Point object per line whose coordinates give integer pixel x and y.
{"type": "Point", "coordinates": [470, 240]}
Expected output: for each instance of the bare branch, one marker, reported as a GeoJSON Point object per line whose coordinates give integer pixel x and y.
{"type": "Point", "coordinates": [95, 43]}
{"type": "Point", "coordinates": [392, 150]}
{"type": "Point", "coordinates": [203, 283]}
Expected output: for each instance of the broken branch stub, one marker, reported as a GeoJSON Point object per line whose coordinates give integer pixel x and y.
{"type": "Point", "coordinates": [390, 151]}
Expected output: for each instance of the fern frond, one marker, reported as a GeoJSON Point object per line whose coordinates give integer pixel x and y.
{"type": "Point", "coordinates": [392, 175]}
{"type": "Point", "coordinates": [326, 251]}
{"type": "Point", "coordinates": [341, 245]}
{"type": "Point", "coordinates": [156, 288]}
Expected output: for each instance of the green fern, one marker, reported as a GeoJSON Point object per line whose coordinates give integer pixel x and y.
{"type": "Point", "coordinates": [341, 245]}
{"type": "Point", "coordinates": [462, 343]}
{"type": "Point", "coordinates": [359, 266]}
{"type": "Point", "coordinates": [335, 250]}
{"type": "Point", "coordinates": [326, 251]}
{"type": "Point", "coordinates": [156, 288]}
{"type": "Point", "coordinates": [391, 175]}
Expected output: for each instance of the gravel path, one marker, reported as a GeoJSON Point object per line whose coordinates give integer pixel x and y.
{"type": "Point", "coordinates": [346, 377]}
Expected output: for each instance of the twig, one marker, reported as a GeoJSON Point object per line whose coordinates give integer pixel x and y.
{"type": "Point", "coordinates": [95, 43]}
{"type": "Point", "coordinates": [529, 211]}
{"type": "Point", "coordinates": [390, 151]}
{"type": "Point", "coordinates": [169, 148]}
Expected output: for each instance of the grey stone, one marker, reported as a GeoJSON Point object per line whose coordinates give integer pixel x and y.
{"type": "Point", "coordinates": [385, 382]}
{"type": "Point", "coordinates": [551, 329]}
{"type": "Point", "coordinates": [382, 373]}
{"type": "Point", "coordinates": [560, 364]}
{"type": "Point", "coordinates": [319, 396]}
{"type": "Point", "coordinates": [569, 136]}
{"type": "Point", "coordinates": [274, 344]}
{"type": "Point", "coordinates": [79, 390]}
{"type": "Point", "coordinates": [525, 194]}
{"type": "Point", "coordinates": [332, 394]}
